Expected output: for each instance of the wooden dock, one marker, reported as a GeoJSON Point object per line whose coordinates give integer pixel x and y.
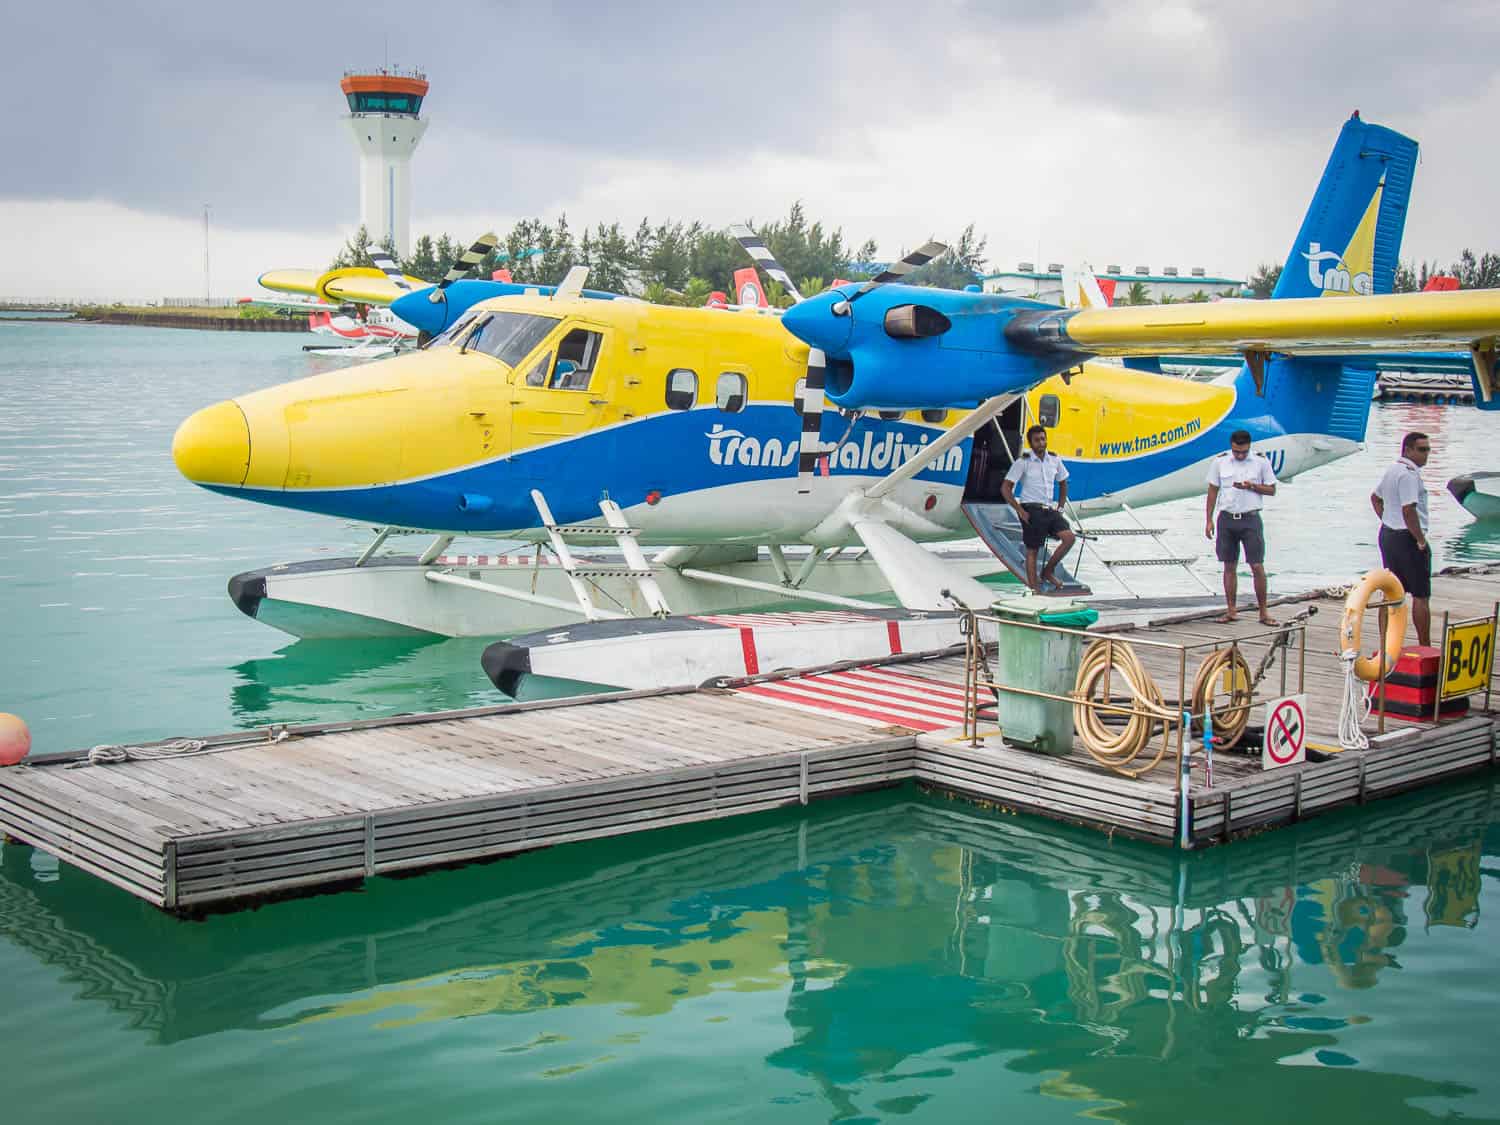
{"type": "Point", "coordinates": [253, 814]}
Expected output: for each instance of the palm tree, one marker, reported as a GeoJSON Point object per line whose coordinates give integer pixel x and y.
{"type": "Point", "coordinates": [696, 292]}
{"type": "Point", "coordinates": [1197, 297]}
{"type": "Point", "coordinates": [1136, 294]}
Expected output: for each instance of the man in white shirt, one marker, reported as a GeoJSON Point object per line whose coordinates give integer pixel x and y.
{"type": "Point", "coordinates": [1238, 482]}
{"type": "Point", "coordinates": [1400, 500]}
{"type": "Point", "coordinates": [1036, 471]}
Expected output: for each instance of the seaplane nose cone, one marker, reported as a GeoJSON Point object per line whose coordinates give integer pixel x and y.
{"type": "Point", "coordinates": [213, 445]}
{"type": "Point", "coordinates": [815, 323]}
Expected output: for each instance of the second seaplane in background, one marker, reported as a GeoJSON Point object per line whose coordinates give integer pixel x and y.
{"type": "Point", "coordinates": [557, 417]}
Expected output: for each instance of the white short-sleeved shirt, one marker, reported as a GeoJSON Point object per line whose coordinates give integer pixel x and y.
{"type": "Point", "coordinates": [1036, 475]}
{"type": "Point", "coordinates": [1402, 485]}
{"type": "Point", "coordinates": [1224, 470]}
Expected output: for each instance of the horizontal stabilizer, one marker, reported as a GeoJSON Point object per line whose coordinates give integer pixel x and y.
{"type": "Point", "coordinates": [919, 579]}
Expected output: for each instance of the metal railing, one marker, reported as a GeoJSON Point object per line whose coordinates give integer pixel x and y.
{"type": "Point", "coordinates": [1169, 721]}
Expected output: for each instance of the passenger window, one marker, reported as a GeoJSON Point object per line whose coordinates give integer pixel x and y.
{"type": "Point", "coordinates": [890, 415]}
{"type": "Point", "coordinates": [1048, 408]}
{"type": "Point", "coordinates": [731, 391]}
{"type": "Point", "coordinates": [576, 357]}
{"type": "Point", "coordinates": [682, 389]}
{"type": "Point", "coordinates": [537, 376]}
{"type": "Point", "coordinates": [936, 417]}
{"type": "Point", "coordinates": [509, 337]}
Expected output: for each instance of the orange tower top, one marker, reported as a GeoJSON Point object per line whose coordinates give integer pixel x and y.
{"type": "Point", "coordinates": [385, 91]}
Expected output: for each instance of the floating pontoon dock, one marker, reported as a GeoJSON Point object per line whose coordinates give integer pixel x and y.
{"type": "Point", "coordinates": [282, 809]}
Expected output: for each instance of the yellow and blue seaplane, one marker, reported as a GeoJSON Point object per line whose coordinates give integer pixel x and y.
{"type": "Point", "coordinates": [557, 417]}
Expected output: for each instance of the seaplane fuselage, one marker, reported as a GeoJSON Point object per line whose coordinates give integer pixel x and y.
{"type": "Point", "coordinates": [687, 419]}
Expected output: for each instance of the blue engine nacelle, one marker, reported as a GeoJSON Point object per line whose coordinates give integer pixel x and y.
{"type": "Point", "coordinates": [907, 348]}
{"type": "Point", "coordinates": [419, 310]}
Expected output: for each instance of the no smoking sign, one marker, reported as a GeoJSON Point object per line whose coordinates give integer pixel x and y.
{"type": "Point", "coordinates": [1285, 742]}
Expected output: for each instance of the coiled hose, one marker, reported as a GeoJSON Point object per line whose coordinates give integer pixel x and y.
{"type": "Point", "coordinates": [1117, 748]}
{"type": "Point", "coordinates": [1233, 717]}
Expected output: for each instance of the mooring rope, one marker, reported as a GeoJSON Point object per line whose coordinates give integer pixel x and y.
{"type": "Point", "coordinates": [107, 755]}
{"type": "Point", "coordinates": [1354, 709]}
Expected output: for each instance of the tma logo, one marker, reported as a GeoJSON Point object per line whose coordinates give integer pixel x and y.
{"type": "Point", "coordinates": [1336, 278]}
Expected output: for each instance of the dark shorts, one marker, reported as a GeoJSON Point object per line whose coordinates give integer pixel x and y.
{"type": "Point", "coordinates": [1042, 523]}
{"type": "Point", "coordinates": [1400, 555]}
{"type": "Point", "coordinates": [1231, 532]}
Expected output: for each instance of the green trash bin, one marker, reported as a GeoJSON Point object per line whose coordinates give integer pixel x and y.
{"type": "Point", "coordinates": [1039, 660]}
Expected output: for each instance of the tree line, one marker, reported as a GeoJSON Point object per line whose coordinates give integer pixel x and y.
{"type": "Point", "coordinates": [672, 262]}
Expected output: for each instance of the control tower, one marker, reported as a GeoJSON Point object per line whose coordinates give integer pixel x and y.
{"type": "Point", "coordinates": [383, 116]}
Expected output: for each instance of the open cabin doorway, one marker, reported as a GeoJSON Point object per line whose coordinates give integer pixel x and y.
{"type": "Point", "coordinates": [996, 444]}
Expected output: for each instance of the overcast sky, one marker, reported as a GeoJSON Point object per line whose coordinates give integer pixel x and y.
{"type": "Point", "coordinates": [1147, 132]}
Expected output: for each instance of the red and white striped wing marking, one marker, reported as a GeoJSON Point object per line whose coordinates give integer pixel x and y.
{"type": "Point", "coordinates": [877, 697]}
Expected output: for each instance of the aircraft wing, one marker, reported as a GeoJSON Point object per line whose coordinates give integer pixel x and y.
{"type": "Point", "coordinates": [1303, 326]}
{"type": "Point", "coordinates": [358, 285]}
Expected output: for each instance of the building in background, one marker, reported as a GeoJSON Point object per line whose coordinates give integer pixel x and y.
{"type": "Point", "coordinates": [384, 108]}
{"type": "Point", "coordinates": [1046, 285]}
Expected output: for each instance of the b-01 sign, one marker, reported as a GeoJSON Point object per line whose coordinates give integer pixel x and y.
{"type": "Point", "coordinates": [1468, 658]}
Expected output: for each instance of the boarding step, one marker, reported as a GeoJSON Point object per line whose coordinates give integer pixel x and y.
{"type": "Point", "coordinates": [998, 526]}
{"type": "Point", "coordinates": [636, 568]}
{"type": "Point", "coordinates": [1114, 566]}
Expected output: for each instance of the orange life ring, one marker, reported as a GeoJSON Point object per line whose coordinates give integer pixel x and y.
{"type": "Point", "coordinates": [1367, 668]}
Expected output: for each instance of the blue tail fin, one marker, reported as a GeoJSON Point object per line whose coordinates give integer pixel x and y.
{"type": "Point", "coordinates": [1348, 246]}
{"type": "Point", "coordinates": [1351, 239]}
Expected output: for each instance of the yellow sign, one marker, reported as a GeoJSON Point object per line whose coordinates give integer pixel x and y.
{"type": "Point", "coordinates": [1468, 658]}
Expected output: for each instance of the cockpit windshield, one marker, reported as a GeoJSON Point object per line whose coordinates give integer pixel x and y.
{"type": "Point", "coordinates": [451, 334]}
{"type": "Point", "coordinates": [509, 336]}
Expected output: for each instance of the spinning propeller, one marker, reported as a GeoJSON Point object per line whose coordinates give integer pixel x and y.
{"type": "Point", "coordinates": [810, 400]}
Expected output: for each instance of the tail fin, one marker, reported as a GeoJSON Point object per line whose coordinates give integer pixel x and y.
{"type": "Point", "coordinates": [1351, 238]}
{"type": "Point", "coordinates": [1348, 246]}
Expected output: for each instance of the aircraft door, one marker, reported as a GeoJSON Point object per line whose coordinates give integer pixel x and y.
{"type": "Point", "coordinates": [563, 407]}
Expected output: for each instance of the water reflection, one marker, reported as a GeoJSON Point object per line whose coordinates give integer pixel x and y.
{"type": "Point", "coordinates": [911, 950]}
{"type": "Point", "coordinates": [315, 681]}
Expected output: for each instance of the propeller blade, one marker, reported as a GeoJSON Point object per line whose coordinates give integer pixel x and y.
{"type": "Point", "coordinates": [465, 264]}
{"type": "Point", "coordinates": [897, 270]}
{"type": "Point", "coordinates": [810, 412]}
{"type": "Point", "coordinates": [387, 265]}
{"type": "Point", "coordinates": [765, 259]}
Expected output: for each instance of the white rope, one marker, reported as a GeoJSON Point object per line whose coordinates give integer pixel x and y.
{"type": "Point", "coordinates": [1354, 709]}
{"type": "Point", "coordinates": [176, 748]}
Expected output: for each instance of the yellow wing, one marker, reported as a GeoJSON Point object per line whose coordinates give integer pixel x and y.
{"type": "Point", "coordinates": [1304, 325]}
{"type": "Point", "coordinates": [358, 285]}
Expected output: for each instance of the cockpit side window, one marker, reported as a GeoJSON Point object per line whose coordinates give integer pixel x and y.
{"type": "Point", "coordinates": [577, 355]}
{"type": "Point", "coordinates": [509, 336]}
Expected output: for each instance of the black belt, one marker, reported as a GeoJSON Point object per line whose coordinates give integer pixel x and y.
{"type": "Point", "coordinates": [1240, 515]}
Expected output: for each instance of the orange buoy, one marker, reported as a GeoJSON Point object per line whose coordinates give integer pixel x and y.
{"type": "Point", "coordinates": [15, 739]}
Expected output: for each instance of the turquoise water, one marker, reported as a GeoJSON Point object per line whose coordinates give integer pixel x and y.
{"type": "Point", "coordinates": [880, 958]}
{"type": "Point", "coordinates": [887, 957]}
